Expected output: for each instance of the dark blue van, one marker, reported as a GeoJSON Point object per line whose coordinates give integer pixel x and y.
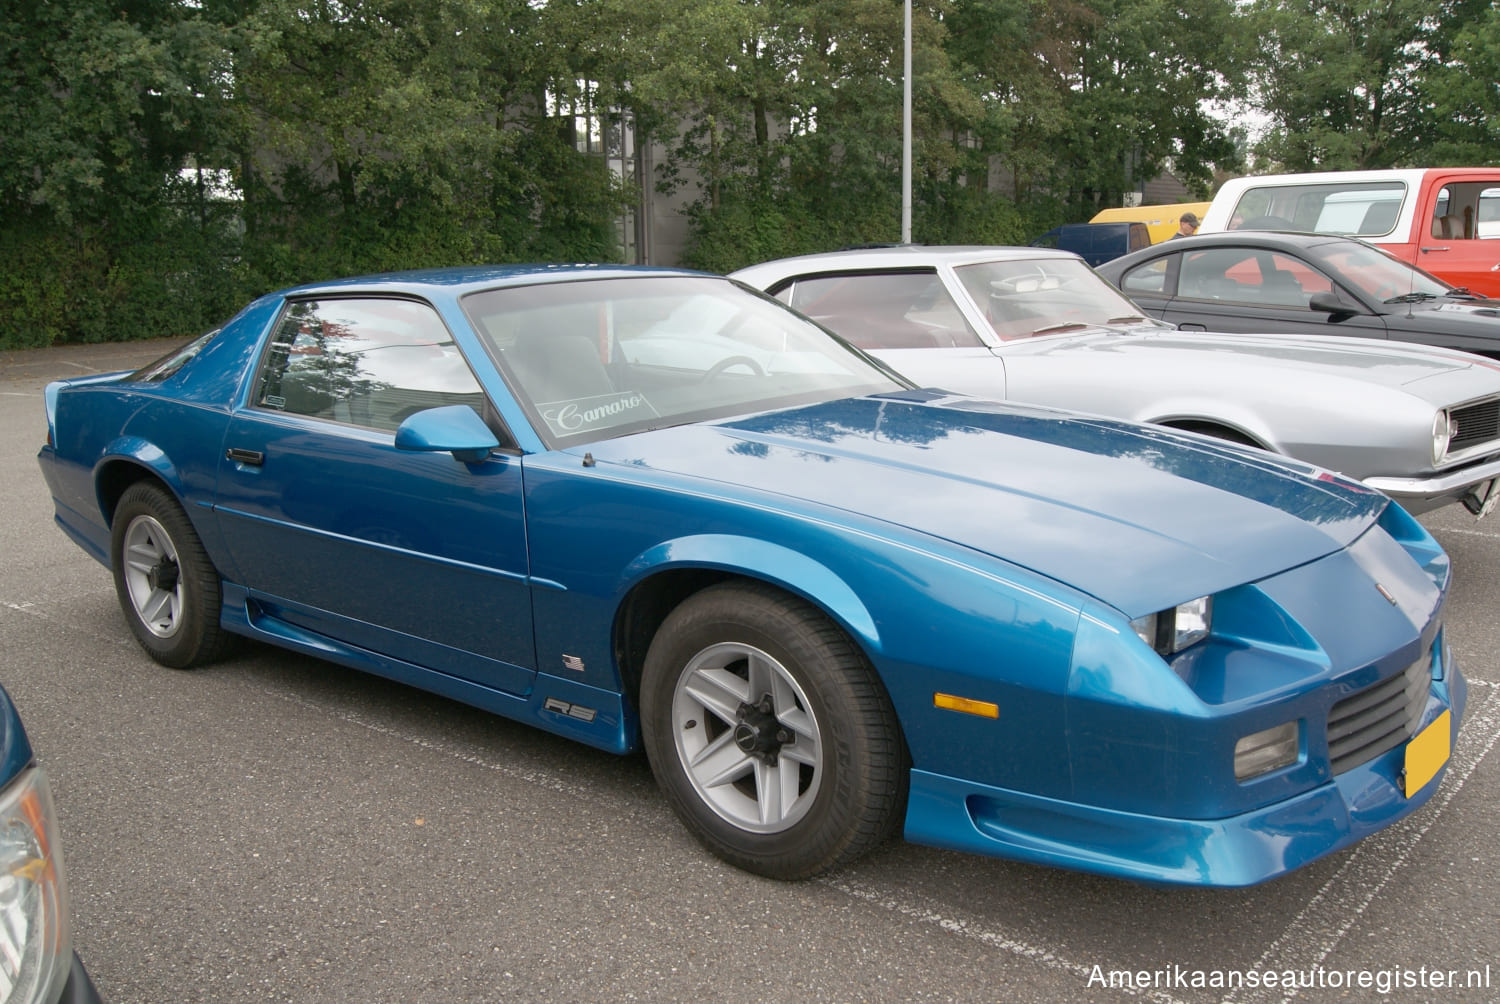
{"type": "Point", "coordinates": [1096, 243]}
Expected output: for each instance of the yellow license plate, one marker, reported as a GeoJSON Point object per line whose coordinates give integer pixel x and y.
{"type": "Point", "coordinates": [1427, 752]}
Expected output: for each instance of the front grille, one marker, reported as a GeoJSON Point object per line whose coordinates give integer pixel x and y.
{"type": "Point", "coordinates": [1477, 423]}
{"type": "Point", "coordinates": [1381, 717]}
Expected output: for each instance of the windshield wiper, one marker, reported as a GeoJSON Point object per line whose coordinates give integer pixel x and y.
{"type": "Point", "coordinates": [1412, 298]}
{"type": "Point", "coordinates": [1132, 319]}
{"type": "Point", "coordinates": [1065, 326]}
{"type": "Point", "coordinates": [1463, 293]}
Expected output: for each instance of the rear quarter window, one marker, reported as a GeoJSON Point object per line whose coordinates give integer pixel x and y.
{"type": "Point", "coordinates": [1148, 278]}
{"type": "Point", "coordinates": [173, 362]}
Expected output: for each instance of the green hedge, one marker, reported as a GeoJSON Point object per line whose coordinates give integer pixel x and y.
{"type": "Point", "coordinates": [96, 285]}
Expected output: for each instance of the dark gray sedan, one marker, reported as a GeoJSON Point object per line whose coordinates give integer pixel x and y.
{"type": "Point", "coordinates": [1317, 284]}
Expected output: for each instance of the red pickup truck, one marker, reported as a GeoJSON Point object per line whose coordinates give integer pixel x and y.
{"type": "Point", "coordinates": [1445, 220]}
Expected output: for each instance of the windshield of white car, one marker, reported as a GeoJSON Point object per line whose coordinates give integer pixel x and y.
{"type": "Point", "coordinates": [1374, 272]}
{"type": "Point", "coordinates": [601, 358]}
{"type": "Point", "coordinates": [1038, 296]}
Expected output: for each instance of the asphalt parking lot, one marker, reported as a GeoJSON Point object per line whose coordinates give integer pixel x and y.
{"type": "Point", "coordinates": [274, 828]}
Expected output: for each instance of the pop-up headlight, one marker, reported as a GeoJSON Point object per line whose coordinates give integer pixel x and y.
{"type": "Point", "coordinates": [1171, 631]}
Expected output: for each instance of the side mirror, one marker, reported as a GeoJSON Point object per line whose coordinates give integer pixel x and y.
{"type": "Point", "coordinates": [1329, 303]}
{"type": "Point", "coordinates": [455, 429]}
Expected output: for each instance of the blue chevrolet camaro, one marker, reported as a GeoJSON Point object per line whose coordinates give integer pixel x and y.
{"type": "Point", "coordinates": [649, 508]}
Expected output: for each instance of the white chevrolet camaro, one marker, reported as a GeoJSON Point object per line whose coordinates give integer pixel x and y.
{"type": "Point", "coordinates": [1421, 424]}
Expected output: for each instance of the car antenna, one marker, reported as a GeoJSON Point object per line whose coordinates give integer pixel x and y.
{"type": "Point", "coordinates": [1411, 287]}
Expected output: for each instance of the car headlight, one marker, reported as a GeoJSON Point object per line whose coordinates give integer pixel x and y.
{"type": "Point", "coordinates": [1171, 631]}
{"type": "Point", "coordinates": [1443, 429]}
{"type": "Point", "coordinates": [35, 945]}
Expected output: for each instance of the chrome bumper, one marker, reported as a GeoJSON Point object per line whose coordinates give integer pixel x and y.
{"type": "Point", "coordinates": [1477, 487]}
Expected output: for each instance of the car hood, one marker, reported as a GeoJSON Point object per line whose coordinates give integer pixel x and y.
{"type": "Point", "coordinates": [1389, 364]}
{"type": "Point", "coordinates": [1138, 517]}
{"type": "Point", "coordinates": [1482, 313]}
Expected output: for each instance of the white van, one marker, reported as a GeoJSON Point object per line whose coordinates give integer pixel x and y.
{"type": "Point", "coordinates": [1445, 220]}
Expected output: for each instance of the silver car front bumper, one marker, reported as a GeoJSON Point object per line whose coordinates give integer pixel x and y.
{"type": "Point", "coordinates": [1478, 488]}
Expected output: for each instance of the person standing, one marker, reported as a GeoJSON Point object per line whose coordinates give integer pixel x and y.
{"type": "Point", "coordinates": [1187, 225]}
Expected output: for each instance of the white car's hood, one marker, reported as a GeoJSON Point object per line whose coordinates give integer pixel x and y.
{"type": "Point", "coordinates": [1439, 377]}
{"type": "Point", "coordinates": [1387, 364]}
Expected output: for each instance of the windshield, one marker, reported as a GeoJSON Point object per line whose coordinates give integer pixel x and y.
{"type": "Point", "coordinates": [601, 358]}
{"type": "Point", "coordinates": [1376, 273]}
{"type": "Point", "coordinates": [1039, 296]}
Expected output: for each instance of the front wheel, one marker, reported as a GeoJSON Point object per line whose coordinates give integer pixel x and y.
{"type": "Point", "coordinates": [770, 733]}
{"type": "Point", "coordinates": [167, 587]}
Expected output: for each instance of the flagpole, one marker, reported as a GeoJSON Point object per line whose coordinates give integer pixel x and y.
{"type": "Point", "coordinates": [906, 133]}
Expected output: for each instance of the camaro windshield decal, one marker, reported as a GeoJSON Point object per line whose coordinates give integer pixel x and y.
{"type": "Point", "coordinates": [565, 418]}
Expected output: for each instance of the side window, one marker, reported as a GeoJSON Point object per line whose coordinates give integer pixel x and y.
{"type": "Point", "coordinates": [891, 310]}
{"type": "Point", "coordinates": [1466, 210]}
{"type": "Point", "coordinates": [1448, 222]}
{"type": "Point", "coordinates": [1362, 209]}
{"type": "Point", "coordinates": [1296, 279]}
{"type": "Point", "coordinates": [1149, 278]}
{"type": "Point", "coordinates": [364, 362]}
{"type": "Point", "coordinates": [1264, 278]}
{"type": "Point", "coordinates": [1487, 224]}
{"type": "Point", "coordinates": [1215, 275]}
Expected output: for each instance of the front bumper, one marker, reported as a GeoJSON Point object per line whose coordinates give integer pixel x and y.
{"type": "Point", "coordinates": [1239, 850]}
{"type": "Point", "coordinates": [79, 989]}
{"type": "Point", "coordinates": [1419, 495]}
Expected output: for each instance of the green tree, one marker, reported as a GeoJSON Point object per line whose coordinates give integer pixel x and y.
{"type": "Point", "coordinates": [1023, 111]}
{"type": "Point", "coordinates": [1341, 81]}
{"type": "Point", "coordinates": [101, 106]}
{"type": "Point", "coordinates": [378, 134]}
{"type": "Point", "coordinates": [359, 127]}
{"type": "Point", "coordinates": [783, 117]}
{"type": "Point", "coordinates": [1086, 99]}
{"type": "Point", "coordinates": [1462, 84]}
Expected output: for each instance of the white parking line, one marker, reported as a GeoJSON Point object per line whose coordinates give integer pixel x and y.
{"type": "Point", "coordinates": [1314, 933]}
{"type": "Point", "coordinates": [1467, 533]}
{"type": "Point", "coordinates": [1304, 946]}
{"type": "Point", "coordinates": [994, 939]}
{"type": "Point", "coordinates": [539, 778]}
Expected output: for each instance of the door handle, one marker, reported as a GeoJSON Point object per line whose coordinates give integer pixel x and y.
{"type": "Point", "coordinates": [1191, 327]}
{"type": "Point", "coordinates": [252, 457]}
{"type": "Point", "coordinates": [1432, 250]}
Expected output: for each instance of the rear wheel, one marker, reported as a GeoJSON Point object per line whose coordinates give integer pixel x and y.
{"type": "Point", "coordinates": [168, 589]}
{"type": "Point", "coordinates": [770, 733]}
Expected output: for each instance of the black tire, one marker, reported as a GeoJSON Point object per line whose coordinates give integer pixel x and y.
{"type": "Point", "coordinates": [747, 682]}
{"type": "Point", "coordinates": [169, 591]}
